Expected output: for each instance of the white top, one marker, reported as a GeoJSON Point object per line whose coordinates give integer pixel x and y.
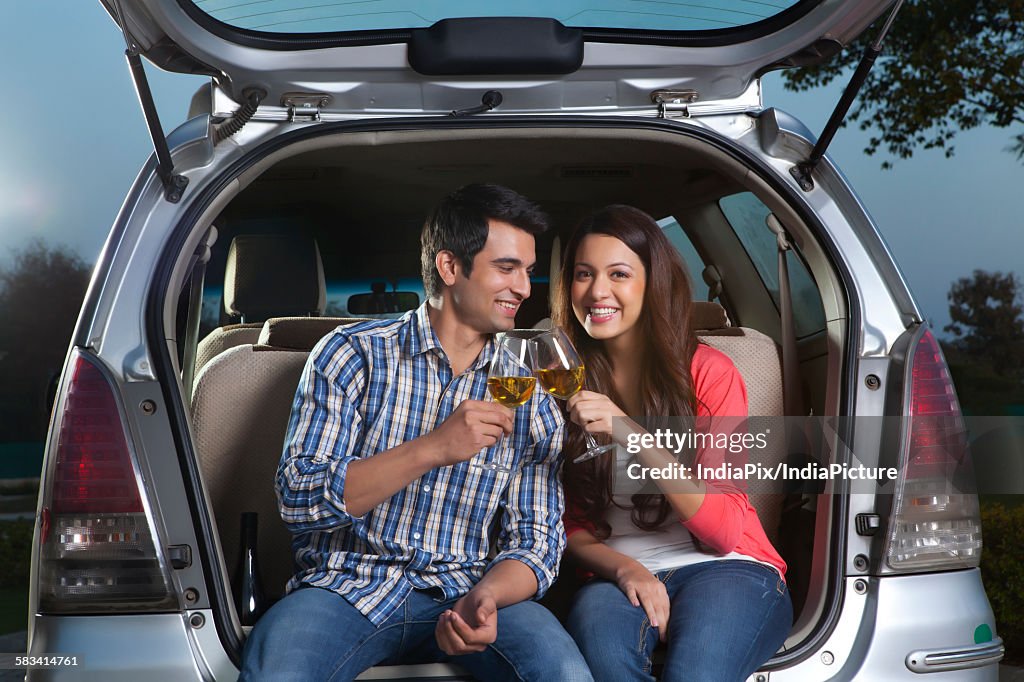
{"type": "Point", "coordinates": [668, 546]}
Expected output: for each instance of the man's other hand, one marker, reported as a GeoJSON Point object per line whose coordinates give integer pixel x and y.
{"type": "Point", "coordinates": [470, 625]}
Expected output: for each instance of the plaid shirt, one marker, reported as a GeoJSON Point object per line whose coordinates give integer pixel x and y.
{"type": "Point", "coordinates": [368, 387]}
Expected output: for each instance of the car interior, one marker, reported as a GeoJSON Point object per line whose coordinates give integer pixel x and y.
{"type": "Point", "coordinates": [326, 230]}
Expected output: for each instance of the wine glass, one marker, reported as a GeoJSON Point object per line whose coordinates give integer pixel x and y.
{"type": "Point", "coordinates": [561, 372]}
{"type": "Point", "coordinates": [510, 381]}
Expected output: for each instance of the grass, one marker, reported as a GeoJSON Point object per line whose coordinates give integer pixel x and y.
{"type": "Point", "coordinates": [13, 609]}
{"type": "Point", "coordinates": [17, 503]}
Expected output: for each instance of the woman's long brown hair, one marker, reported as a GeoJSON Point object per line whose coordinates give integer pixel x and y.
{"type": "Point", "coordinates": [665, 381]}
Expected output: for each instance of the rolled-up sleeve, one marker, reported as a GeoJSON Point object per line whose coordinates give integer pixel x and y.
{"type": "Point", "coordinates": [323, 432]}
{"type": "Point", "coordinates": [531, 526]}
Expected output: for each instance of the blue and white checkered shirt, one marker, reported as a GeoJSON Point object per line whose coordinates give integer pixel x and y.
{"type": "Point", "coordinates": [368, 387]}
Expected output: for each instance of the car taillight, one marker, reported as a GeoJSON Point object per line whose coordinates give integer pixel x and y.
{"type": "Point", "coordinates": [96, 542]}
{"type": "Point", "coordinates": [935, 522]}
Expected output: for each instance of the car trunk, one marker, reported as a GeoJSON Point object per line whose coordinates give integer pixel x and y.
{"type": "Point", "coordinates": [362, 195]}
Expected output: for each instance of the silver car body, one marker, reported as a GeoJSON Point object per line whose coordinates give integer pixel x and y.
{"type": "Point", "coordinates": [883, 625]}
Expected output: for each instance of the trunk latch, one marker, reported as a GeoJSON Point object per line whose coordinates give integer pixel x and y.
{"type": "Point", "coordinates": [674, 101]}
{"type": "Point", "coordinates": [304, 106]}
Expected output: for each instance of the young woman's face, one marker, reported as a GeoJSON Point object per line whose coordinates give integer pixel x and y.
{"type": "Point", "coordinates": [608, 284]}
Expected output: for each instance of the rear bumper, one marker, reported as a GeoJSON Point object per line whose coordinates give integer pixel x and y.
{"type": "Point", "coordinates": [920, 627]}
{"type": "Point", "coordinates": [939, 660]}
{"type": "Point", "coordinates": [128, 648]}
{"type": "Point", "coordinates": [914, 627]}
{"type": "Point", "coordinates": [162, 648]}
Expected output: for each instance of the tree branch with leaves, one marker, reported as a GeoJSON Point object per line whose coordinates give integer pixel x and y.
{"type": "Point", "coordinates": [985, 312]}
{"type": "Point", "coordinates": [946, 67]}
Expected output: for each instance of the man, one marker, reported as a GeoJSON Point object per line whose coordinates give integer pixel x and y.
{"type": "Point", "coordinates": [393, 526]}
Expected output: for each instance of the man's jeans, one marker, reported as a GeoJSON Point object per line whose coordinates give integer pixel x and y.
{"type": "Point", "coordinates": [726, 618]}
{"type": "Point", "coordinates": [313, 634]}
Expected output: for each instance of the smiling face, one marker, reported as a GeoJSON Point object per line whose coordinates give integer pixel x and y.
{"type": "Point", "coordinates": [608, 283]}
{"type": "Point", "coordinates": [488, 299]}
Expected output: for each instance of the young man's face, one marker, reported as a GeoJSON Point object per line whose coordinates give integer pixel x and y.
{"type": "Point", "coordinates": [487, 300]}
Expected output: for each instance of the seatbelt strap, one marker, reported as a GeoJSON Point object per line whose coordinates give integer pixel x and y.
{"type": "Point", "coordinates": [195, 310]}
{"type": "Point", "coordinates": [713, 278]}
{"type": "Point", "coordinates": [792, 392]}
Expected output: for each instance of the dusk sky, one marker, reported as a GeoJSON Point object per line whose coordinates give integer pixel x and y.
{"type": "Point", "coordinates": [73, 138]}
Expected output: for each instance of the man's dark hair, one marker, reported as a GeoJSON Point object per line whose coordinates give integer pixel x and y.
{"type": "Point", "coordinates": [459, 225]}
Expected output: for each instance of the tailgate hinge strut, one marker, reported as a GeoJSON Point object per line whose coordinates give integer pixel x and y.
{"type": "Point", "coordinates": [803, 170]}
{"type": "Point", "coordinates": [674, 101]}
{"type": "Point", "coordinates": [174, 185]}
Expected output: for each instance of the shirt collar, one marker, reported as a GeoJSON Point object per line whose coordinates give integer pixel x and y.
{"type": "Point", "coordinates": [422, 339]}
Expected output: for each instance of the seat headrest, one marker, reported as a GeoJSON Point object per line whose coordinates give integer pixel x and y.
{"type": "Point", "coordinates": [708, 315]}
{"type": "Point", "coordinates": [272, 275]}
{"type": "Point", "coordinates": [300, 333]}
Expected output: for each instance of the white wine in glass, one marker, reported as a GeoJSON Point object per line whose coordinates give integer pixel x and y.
{"type": "Point", "coordinates": [511, 383]}
{"type": "Point", "coordinates": [511, 391]}
{"type": "Point", "coordinates": [562, 383]}
{"type": "Point", "coordinates": [561, 373]}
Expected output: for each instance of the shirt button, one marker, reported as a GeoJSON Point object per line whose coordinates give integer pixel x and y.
{"type": "Point", "coordinates": [426, 488]}
{"type": "Point", "coordinates": [415, 536]}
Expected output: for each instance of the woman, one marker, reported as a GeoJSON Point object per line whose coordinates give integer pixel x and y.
{"type": "Point", "coordinates": [689, 563]}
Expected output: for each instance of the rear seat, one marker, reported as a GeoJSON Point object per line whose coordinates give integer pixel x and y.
{"type": "Point", "coordinates": [267, 275]}
{"type": "Point", "coordinates": [244, 395]}
{"type": "Point", "coordinates": [240, 410]}
{"type": "Point", "coordinates": [756, 356]}
{"type": "Point", "coordinates": [239, 450]}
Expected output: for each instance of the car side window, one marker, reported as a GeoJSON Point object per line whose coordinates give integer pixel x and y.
{"type": "Point", "coordinates": [747, 214]}
{"type": "Point", "coordinates": [694, 263]}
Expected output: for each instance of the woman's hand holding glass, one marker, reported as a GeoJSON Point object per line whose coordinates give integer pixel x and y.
{"type": "Point", "coordinates": [593, 411]}
{"type": "Point", "coordinates": [561, 373]}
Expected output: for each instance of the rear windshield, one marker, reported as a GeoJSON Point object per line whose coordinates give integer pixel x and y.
{"type": "Point", "coordinates": [332, 16]}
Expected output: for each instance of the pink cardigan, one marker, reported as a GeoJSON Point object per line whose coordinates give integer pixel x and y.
{"type": "Point", "coordinates": [725, 521]}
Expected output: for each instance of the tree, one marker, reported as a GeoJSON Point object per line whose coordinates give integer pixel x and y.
{"type": "Point", "coordinates": [945, 67]}
{"type": "Point", "coordinates": [985, 310]}
{"type": "Point", "coordinates": [41, 294]}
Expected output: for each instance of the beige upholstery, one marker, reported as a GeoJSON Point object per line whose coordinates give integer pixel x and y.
{"type": "Point", "coordinates": [757, 358]}
{"type": "Point", "coordinates": [243, 398]}
{"type": "Point", "coordinates": [300, 333]}
{"type": "Point", "coordinates": [269, 275]}
{"type": "Point", "coordinates": [219, 340]}
{"type": "Point", "coordinates": [240, 410]}
{"type": "Point", "coordinates": [240, 413]}
{"type": "Point", "coordinates": [266, 275]}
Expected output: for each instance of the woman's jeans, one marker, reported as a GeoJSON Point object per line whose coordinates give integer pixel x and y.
{"type": "Point", "coordinates": [314, 635]}
{"type": "Point", "coordinates": [726, 618]}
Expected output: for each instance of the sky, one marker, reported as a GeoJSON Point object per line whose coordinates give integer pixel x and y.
{"type": "Point", "coordinates": [72, 139]}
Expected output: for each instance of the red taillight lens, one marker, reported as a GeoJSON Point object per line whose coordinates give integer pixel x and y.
{"type": "Point", "coordinates": [94, 471]}
{"type": "Point", "coordinates": [97, 548]}
{"type": "Point", "coordinates": [935, 521]}
{"type": "Point", "coordinates": [938, 439]}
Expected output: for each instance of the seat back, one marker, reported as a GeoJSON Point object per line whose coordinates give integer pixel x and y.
{"type": "Point", "coordinates": [243, 399]}
{"type": "Point", "coordinates": [756, 356]}
{"type": "Point", "coordinates": [222, 338]}
{"type": "Point", "coordinates": [240, 409]}
{"type": "Point", "coordinates": [267, 275]}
